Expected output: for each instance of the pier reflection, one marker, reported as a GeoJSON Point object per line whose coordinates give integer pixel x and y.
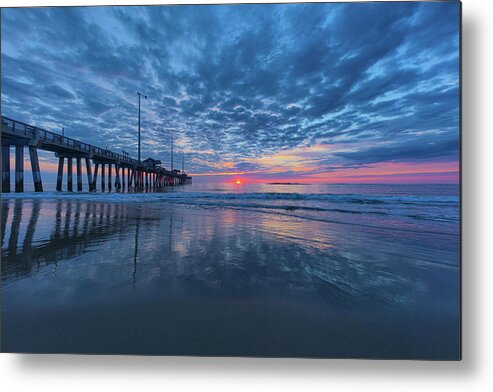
{"type": "Point", "coordinates": [36, 233]}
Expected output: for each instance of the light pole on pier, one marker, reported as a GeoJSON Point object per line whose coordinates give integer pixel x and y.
{"type": "Point", "coordinates": [171, 153]}
{"type": "Point", "coordinates": [145, 97]}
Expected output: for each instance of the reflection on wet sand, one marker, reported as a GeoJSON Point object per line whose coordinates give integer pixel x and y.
{"type": "Point", "coordinates": [212, 248]}
{"type": "Point", "coordinates": [70, 258]}
{"type": "Point", "coordinates": [67, 230]}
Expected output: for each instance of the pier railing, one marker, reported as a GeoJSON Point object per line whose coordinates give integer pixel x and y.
{"type": "Point", "coordinates": [56, 142]}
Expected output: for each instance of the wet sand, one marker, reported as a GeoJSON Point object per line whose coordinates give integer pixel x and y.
{"type": "Point", "coordinates": [168, 279]}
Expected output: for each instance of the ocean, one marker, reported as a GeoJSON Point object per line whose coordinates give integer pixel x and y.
{"type": "Point", "coordinates": [340, 271]}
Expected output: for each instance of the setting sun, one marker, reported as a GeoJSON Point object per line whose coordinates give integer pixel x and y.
{"type": "Point", "coordinates": [238, 182]}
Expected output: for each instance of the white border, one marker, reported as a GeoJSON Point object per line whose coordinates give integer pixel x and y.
{"type": "Point", "coordinates": [117, 373]}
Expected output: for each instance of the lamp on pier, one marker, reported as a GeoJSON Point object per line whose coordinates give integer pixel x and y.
{"type": "Point", "coordinates": [145, 97]}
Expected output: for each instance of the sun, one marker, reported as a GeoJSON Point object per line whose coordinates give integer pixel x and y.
{"type": "Point", "coordinates": [238, 182]}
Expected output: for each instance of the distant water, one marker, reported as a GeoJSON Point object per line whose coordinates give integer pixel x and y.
{"type": "Point", "coordinates": [226, 269]}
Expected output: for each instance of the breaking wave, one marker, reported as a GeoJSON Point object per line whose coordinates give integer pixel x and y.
{"type": "Point", "coordinates": [429, 201]}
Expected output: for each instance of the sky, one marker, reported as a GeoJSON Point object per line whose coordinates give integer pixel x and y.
{"type": "Point", "coordinates": [335, 92]}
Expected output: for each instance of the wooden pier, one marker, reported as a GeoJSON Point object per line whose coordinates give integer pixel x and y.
{"type": "Point", "coordinates": [129, 173]}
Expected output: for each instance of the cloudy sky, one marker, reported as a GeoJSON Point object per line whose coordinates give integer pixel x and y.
{"type": "Point", "coordinates": [363, 92]}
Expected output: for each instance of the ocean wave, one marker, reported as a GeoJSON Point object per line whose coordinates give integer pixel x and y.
{"type": "Point", "coordinates": [421, 200]}
{"type": "Point", "coordinates": [307, 206]}
{"type": "Point", "coordinates": [345, 221]}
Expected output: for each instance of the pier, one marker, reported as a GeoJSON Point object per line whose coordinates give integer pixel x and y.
{"type": "Point", "coordinates": [128, 173]}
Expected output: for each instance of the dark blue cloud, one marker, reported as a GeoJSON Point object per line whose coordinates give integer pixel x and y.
{"type": "Point", "coordinates": [429, 147]}
{"type": "Point", "coordinates": [235, 82]}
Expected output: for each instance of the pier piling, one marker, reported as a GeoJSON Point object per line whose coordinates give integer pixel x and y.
{"type": "Point", "coordinates": [5, 168]}
{"type": "Point", "coordinates": [109, 176]}
{"type": "Point", "coordinates": [89, 174]}
{"type": "Point", "coordinates": [103, 180]}
{"type": "Point", "coordinates": [69, 174]}
{"type": "Point", "coordinates": [79, 174]}
{"type": "Point", "coordinates": [33, 155]}
{"type": "Point", "coordinates": [59, 178]}
{"type": "Point", "coordinates": [94, 181]}
{"type": "Point", "coordinates": [117, 176]}
{"type": "Point", "coordinates": [19, 168]}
